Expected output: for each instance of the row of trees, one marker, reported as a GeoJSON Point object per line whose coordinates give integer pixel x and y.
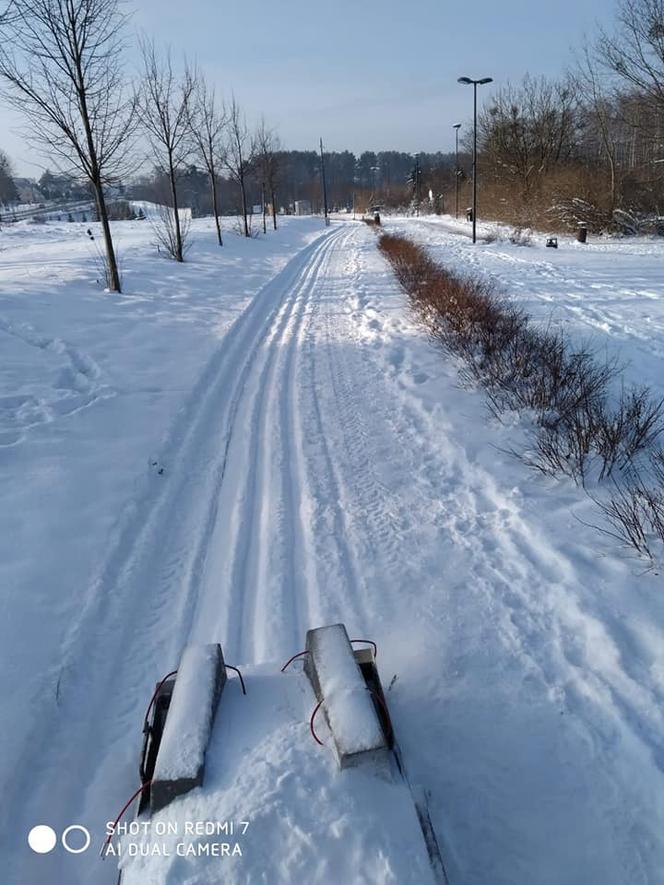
{"type": "Point", "coordinates": [50, 187]}
{"type": "Point", "coordinates": [61, 66]}
{"type": "Point", "coordinates": [271, 173]}
{"type": "Point", "coordinates": [386, 177]}
{"type": "Point", "coordinates": [8, 191]}
{"type": "Point", "coordinates": [185, 122]}
{"type": "Point", "coordinates": [589, 147]}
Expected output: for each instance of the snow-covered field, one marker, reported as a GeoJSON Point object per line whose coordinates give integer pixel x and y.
{"type": "Point", "coordinates": [261, 441]}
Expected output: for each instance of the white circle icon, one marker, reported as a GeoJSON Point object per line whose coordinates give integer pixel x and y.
{"type": "Point", "coordinates": [42, 839]}
{"type": "Point", "coordinates": [86, 839]}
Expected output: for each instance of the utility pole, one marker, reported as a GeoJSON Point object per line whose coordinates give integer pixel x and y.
{"type": "Point", "coordinates": [417, 181]}
{"type": "Point", "coordinates": [322, 175]}
{"type": "Point", "coordinates": [263, 205]}
{"type": "Point", "coordinates": [457, 126]}
{"type": "Point", "coordinates": [475, 83]}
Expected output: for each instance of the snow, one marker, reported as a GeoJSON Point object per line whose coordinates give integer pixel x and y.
{"type": "Point", "coordinates": [97, 392]}
{"type": "Point", "coordinates": [348, 705]}
{"type": "Point", "coordinates": [273, 445]}
{"type": "Point", "coordinates": [190, 715]}
{"type": "Point", "coordinates": [307, 820]}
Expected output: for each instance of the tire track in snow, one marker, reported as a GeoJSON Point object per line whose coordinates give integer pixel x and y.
{"type": "Point", "coordinates": [326, 503]}
{"type": "Point", "coordinates": [301, 479]}
{"type": "Point", "coordinates": [371, 520]}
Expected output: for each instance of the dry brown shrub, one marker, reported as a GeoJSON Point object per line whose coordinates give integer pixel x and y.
{"type": "Point", "coordinates": [579, 429]}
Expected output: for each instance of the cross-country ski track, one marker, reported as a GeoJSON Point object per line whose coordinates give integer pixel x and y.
{"type": "Point", "coordinates": [327, 466]}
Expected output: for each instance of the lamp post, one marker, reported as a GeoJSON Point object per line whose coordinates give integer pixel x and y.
{"type": "Point", "coordinates": [475, 83]}
{"type": "Point", "coordinates": [374, 177]}
{"type": "Point", "coordinates": [322, 175]}
{"type": "Point", "coordinates": [417, 182]}
{"type": "Point", "coordinates": [457, 126]}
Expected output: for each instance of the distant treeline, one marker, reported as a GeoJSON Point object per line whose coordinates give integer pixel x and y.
{"type": "Point", "coordinates": [387, 177]}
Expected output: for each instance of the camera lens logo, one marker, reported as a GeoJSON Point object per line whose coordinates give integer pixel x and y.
{"type": "Point", "coordinates": [75, 839]}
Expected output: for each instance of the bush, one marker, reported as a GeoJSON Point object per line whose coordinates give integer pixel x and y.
{"type": "Point", "coordinates": [635, 510]}
{"type": "Point", "coordinates": [121, 210]}
{"type": "Point", "coordinates": [163, 225]}
{"type": "Point", "coordinates": [578, 428]}
{"type": "Point", "coordinates": [521, 236]}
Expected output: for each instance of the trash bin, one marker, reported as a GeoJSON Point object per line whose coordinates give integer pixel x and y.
{"type": "Point", "coordinates": [582, 232]}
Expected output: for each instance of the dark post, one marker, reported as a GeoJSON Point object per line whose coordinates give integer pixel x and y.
{"type": "Point", "coordinates": [263, 206]}
{"type": "Point", "coordinates": [457, 126]}
{"type": "Point", "coordinates": [475, 83]}
{"type": "Point", "coordinates": [474, 162]}
{"type": "Point", "coordinates": [322, 174]}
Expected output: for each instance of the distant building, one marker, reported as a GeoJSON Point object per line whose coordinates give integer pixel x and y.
{"type": "Point", "coordinates": [302, 207]}
{"type": "Point", "coordinates": [28, 190]}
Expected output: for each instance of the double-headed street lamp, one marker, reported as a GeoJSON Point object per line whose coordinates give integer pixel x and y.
{"type": "Point", "coordinates": [475, 83]}
{"type": "Point", "coordinates": [456, 127]}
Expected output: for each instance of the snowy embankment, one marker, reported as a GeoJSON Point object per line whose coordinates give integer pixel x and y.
{"type": "Point", "coordinates": [326, 466]}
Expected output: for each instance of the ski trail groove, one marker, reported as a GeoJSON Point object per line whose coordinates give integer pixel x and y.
{"type": "Point", "coordinates": [330, 495]}
{"type": "Point", "coordinates": [247, 536]}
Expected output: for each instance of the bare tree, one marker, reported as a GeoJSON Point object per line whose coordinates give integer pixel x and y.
{"type": "Point", "coordinates": [166, 234]}
{"type": "Point", "coordinates": [164, 103]}
{"type": "Point", "coordinates": [6, 12]}
{"type": "Point", "coordinates": [207, 123]}
{"type": "Point", "coordinates": [602, 113]}
{"type": "Point", "coordinates": [60, 61]}
{"type": "Point", "coordinates": [266, 147]}
{"type": "Point", "coordinates": [527, 129]}
{"type": "Point", "coordinates": [239, 158]}
{"type": "Point", "coordinates": [635, 52]}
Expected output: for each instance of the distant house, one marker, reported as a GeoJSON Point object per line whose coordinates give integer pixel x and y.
{"type": "Point", "coordinates": [28, 190]}
{"type": "Point", "coordinates": [302, 207]}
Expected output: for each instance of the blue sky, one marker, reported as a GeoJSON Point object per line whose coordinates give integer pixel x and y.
{"type": "Point", "coordinates": [364, 74]}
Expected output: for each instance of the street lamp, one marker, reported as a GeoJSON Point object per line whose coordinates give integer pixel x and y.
{"type": "Point", "coordinates": [475, 83]}
{"type": "Point", "coordinates": [456, 127]}
{"type": "Point", "coordinates": [374, 177]}
{"type": "Point", "coordinates": [322, 174]}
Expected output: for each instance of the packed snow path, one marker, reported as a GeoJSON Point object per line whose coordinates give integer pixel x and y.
{"type": "Point", "coordinates": [327, 467]}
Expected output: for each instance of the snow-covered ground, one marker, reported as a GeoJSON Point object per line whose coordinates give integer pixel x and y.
{"type": "Point", "coordinates": [96, 392]}
{"type": "Point", "coordinates": [262, 441]}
